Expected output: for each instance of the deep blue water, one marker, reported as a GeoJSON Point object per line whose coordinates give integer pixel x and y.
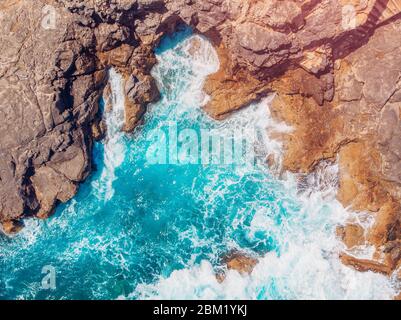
{"type": "Point", "coordinates": [134, 225]}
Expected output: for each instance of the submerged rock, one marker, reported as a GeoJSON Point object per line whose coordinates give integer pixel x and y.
{"type": "Point", "coordinates": [12, 227]}
{"type": "Point", "coordinates": [241, 263]}
{"type": "Point", "coordinates": [238, 261]}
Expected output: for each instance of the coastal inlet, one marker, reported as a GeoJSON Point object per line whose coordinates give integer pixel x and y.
{"type": "Point", "coordinates": [142, 230]}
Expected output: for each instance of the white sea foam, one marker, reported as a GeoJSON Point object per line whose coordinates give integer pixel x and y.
{"type": "Point", "coordinates": [307, 266]}
{"type": "Point", "coordinates": [257, 124]}
{"type": "Point", "coordinates": [114, 146]}
{"type": "Point", "coordinates": [197, 59]}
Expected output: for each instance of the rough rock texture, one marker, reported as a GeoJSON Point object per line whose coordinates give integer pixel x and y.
{"type": "Point", "coordinates": [353, 235]}
{"type": "Point", "coordinates": [47, 97]}
{"type": "Point", "coordinates": [336, 74]}
{"type": "Point", "coordinates": [239, 261]}
{"type": "Point", "coordinates": [361, 126]}
{"type": "Point", "coordinates": [364, 265]}
{"type": "Point", "coordinates": [52, 71]}
{"type": "Point", "coordinates": [335, 67]}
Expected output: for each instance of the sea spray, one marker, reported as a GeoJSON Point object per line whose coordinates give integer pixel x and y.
{"type": "Point", "coordinates": [307, 266]}
{"type": "Point", "coordinates": [114, 146]}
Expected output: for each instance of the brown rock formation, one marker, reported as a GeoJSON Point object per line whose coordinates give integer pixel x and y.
{"type": "Point", "coordinates": [337, 83]}
{"type": "Point", "coordinates": [353, 235]}
{"type": "Point", "coordinates": [238, 261]}
{"type": "Point", "coordinates": [52, 73]}
{"type": "Point", "coordinates": [48, 94]}
{"type": "Point", "coordinates": [364, 265]}
{"type": "Point", "coordinates": [12, 227]}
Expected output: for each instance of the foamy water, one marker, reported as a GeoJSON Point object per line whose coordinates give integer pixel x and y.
{"type": "Point", "coordinates": [137, 230]}
{"type": "Point", "coordinates": [114, 147]}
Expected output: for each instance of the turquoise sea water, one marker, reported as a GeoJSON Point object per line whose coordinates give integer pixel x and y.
{"type": "Point", "coordinates": [143, 230]}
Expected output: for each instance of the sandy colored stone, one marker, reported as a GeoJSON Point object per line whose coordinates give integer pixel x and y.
{"type": "Point", "coordinates": [352, 235]}
{"type": "Point", "coordinates": [240, 262]}
{"type": "Point", "coordinates": [231, 92]}
{"type": "Point", "coordinates": [387, 226]}
{"type": "Point", "coordinates": [359, 185]}
{"type": "Point", "coordinates": [98, 129]}
{"type": "Point", "coordinates": [317, 60]}
{"type": "Point", "coordinates": [364, 265]}
{"type": "Point", "coordinates": [12, 227]}
{"type": "Point", "coordinates": [315, 136]}
{"type": "Point", "coordinates": [51, 187]}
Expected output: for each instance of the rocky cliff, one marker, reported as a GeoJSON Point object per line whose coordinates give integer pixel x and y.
{"type": "Point", "coordinates": [334, 67]}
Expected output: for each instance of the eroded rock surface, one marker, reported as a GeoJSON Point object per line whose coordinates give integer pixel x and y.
{"type": "Point", "coordinates": [54, 61]}
{"type": "Point", "coordinates": [335, 69]}
{"type": "Point", "coordinates": [47, 97]}
{"type": "Point", "coordinates": [239, 261]}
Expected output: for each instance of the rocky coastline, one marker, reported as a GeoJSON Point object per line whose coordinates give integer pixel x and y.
{"type": "Point", "coordinates": [334, 66]}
